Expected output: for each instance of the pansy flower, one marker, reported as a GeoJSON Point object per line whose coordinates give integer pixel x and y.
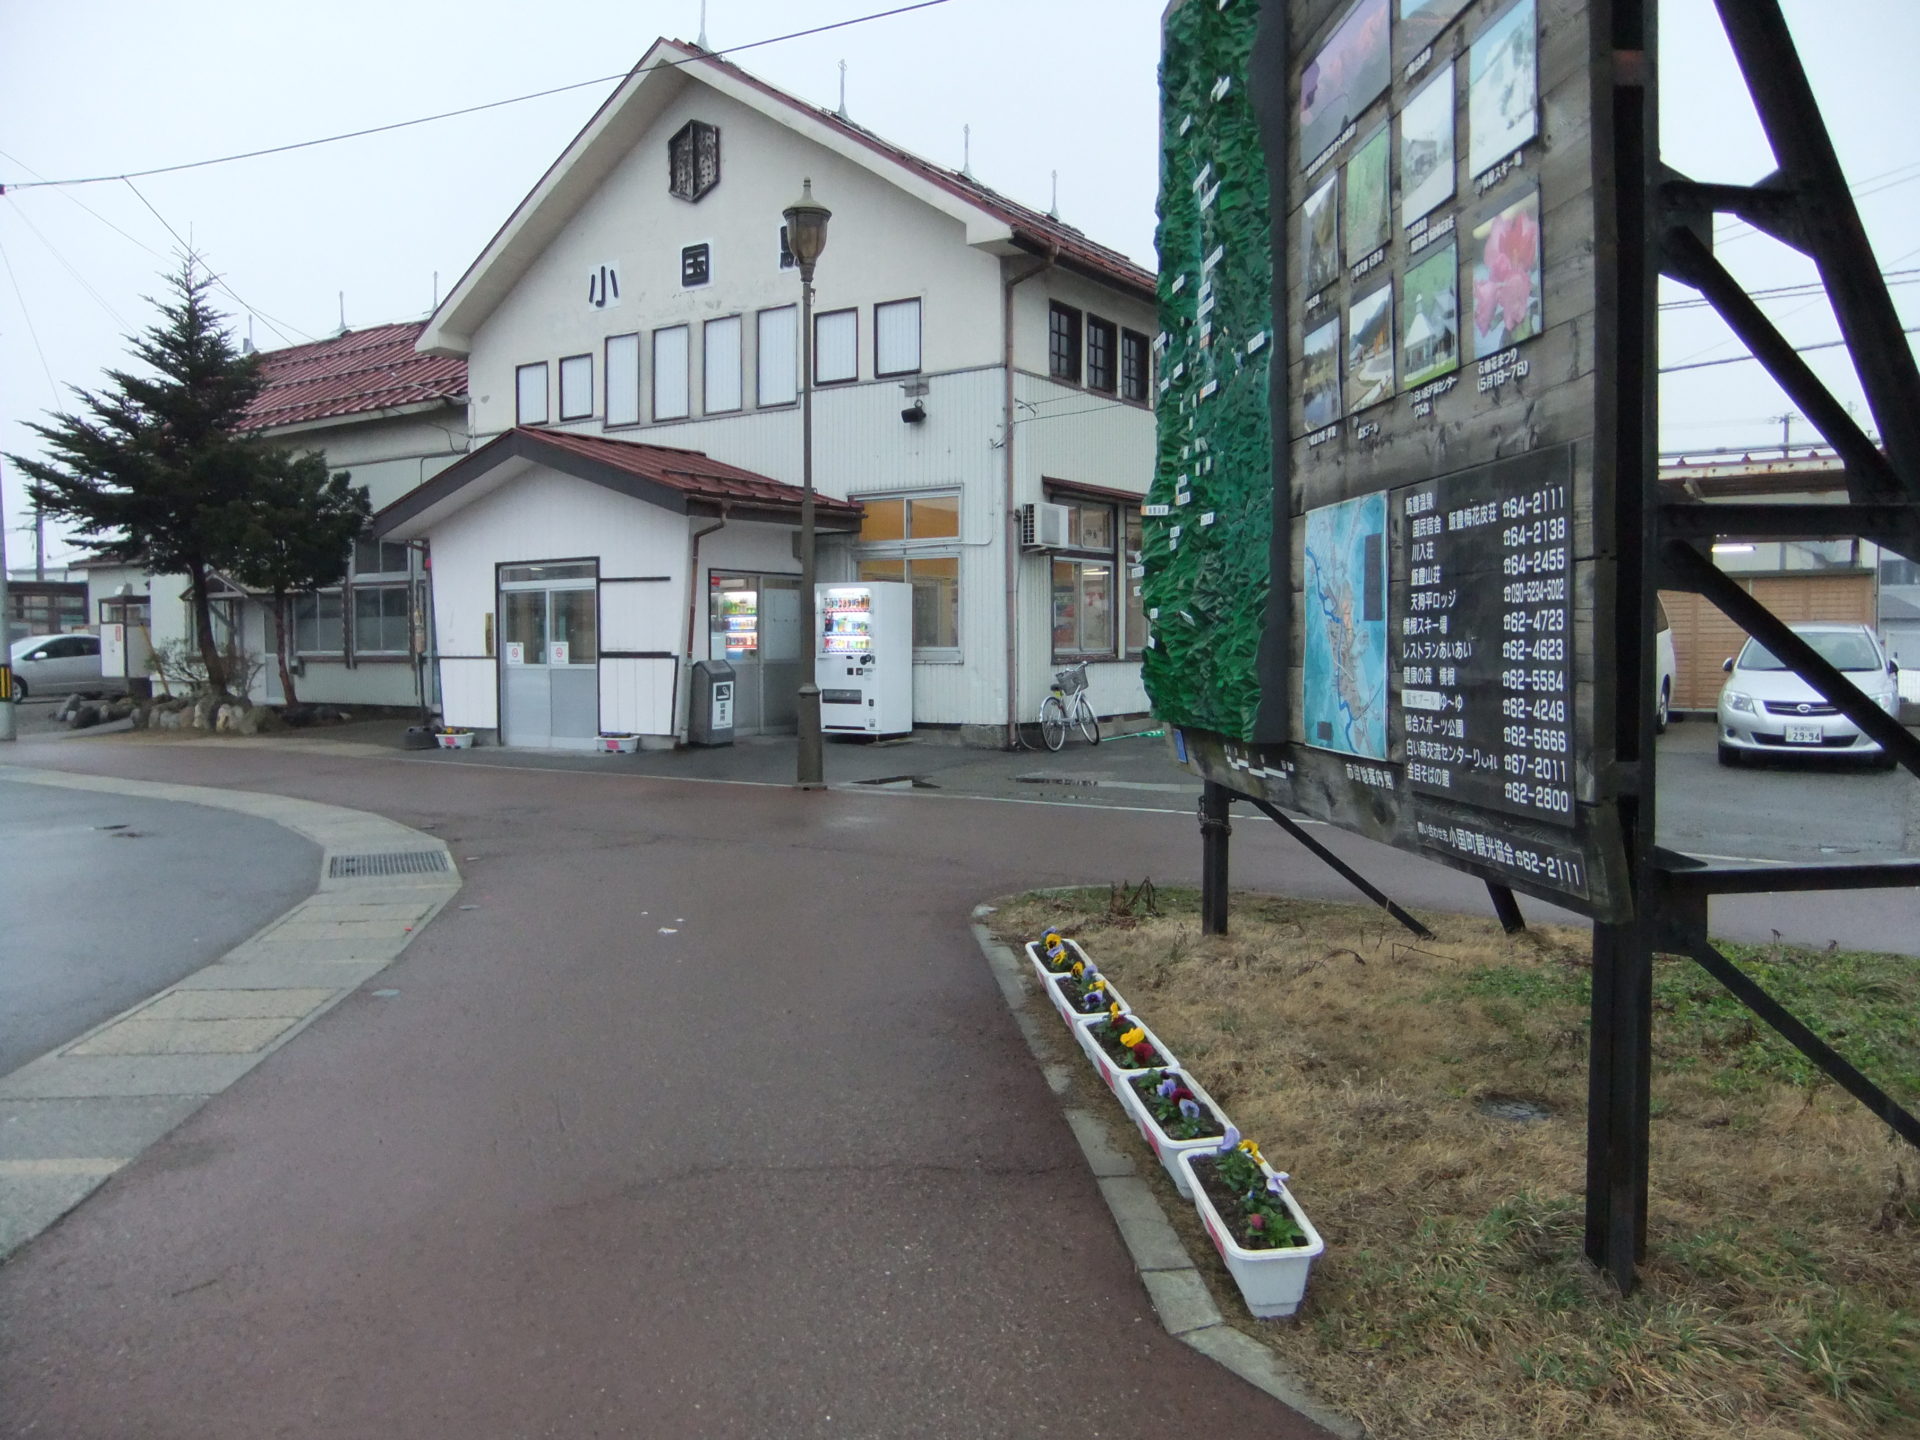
{"type": "Point", "coordinates": [1167, 1088]}
{"type": "Point", "coordinates": [1190, 1108]}
{"type": "Point", "coordinates": [1230, 1141]}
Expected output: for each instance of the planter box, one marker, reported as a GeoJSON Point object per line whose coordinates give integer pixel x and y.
{"type": "Point", "coordinates": [462, 741]}
{"type": "Point", "coordinates": [1055, 996]}
{"type": "Point", "coordinates": [1165, 1148]}
{"type": "Point", "coordinates": [1112, 1072]}
{"type": "Point", "coordinates": [1272, 1282]}
{"type": "Point", "coordinates": [619, 744]}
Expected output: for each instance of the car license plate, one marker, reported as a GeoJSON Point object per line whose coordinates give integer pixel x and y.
{"type": "Point", "coordinates": [1803, 735]}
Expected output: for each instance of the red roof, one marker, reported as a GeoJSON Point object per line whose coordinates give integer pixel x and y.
{"type": "Point", "coordinates": [1032, 230]}
{"type": "Point", "coordinates": [353, 374]}
{"type": "Point", "coordinates": [692, 472]}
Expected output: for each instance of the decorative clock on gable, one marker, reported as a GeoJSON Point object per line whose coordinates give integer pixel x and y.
{"type": "Point", "coordinates": [693, 160]}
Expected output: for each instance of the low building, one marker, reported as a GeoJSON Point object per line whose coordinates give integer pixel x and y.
{"type": "Point", "coordinates": [631, 336]}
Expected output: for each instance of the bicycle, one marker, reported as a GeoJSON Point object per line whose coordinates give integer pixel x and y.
{"type": "Point", "coordinates": [1069, 684]}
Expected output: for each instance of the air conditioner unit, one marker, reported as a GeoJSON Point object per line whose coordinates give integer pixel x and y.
{"type": "Point", "coordinates": [1044, 527]}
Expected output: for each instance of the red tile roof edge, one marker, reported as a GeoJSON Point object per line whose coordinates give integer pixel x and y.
{"type": "Point", "coordinates": [675, 467]}
{"type": "Point", "coordinates": [355, 373]}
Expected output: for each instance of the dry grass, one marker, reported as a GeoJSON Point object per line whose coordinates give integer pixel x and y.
{"type": "Point", "coordinates": [1779, 1297]}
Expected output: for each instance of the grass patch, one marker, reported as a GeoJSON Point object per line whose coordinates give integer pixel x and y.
{"type": "Point", "coordinates": [1779, 1295]}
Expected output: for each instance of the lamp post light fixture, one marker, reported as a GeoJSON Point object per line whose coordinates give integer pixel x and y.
{"type": "Point", "coordinates": [806, 237]}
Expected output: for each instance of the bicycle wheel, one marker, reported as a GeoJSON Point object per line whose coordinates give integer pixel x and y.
{"type": "Point", "coordinates": [1053, 722]}
{"type": "Point", "coordinates": [1083, 717]}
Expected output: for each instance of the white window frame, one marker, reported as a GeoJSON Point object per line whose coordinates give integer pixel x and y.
{"type": "Point", "coordinates": [881, 369]}
{"type": "Point", "coordinates": [623, 401]}
{"type": "Point", "coordinates": [523, 376]}
{"type": "Point", "coordinates": [576, 383]}
{"type": "Point", "coordinates": [939, 547]}
{"type": "Point", "coordinates": [685, 363]}
{"type": "Point", "coordinates": [791, 324]}
{"type": "Point", "coordinates": [712, 396]}
{"type": "Point", "coordinates": [847, 319]}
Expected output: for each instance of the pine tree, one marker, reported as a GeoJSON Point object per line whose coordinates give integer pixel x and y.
{"type": "Point", "coordinates": [293, 535]}
{"type": "Point", "coordinates": [154, 469]}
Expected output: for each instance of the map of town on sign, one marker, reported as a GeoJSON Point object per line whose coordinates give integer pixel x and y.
{"type": "Point", "coordinates": [1344, 617]}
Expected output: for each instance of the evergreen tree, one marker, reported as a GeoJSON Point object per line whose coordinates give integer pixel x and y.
{"type": "Point", "coordinates": [154, 469]}
{"type": "Point", "coordinates": [293, 534]}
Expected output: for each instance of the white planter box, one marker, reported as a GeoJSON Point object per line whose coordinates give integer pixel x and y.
{"type": "Point", "coordinates": [462, 741]}
{"type": "Point", "coordinates": [1055, 996]}
{"type": "Point", "coordinates": [1112, 1073]}
{"type": "Point", "coordinates": [1165, 1148]}
{"type": "Point", "coordinates": [619, 744]}
{"type": "Point", "coordinates": [1272, 1282]}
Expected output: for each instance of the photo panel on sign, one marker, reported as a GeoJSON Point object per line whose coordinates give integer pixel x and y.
{"type": "Point", "coordinates": [1370, 344]}
{"type": "Point", "coordinates": [1320, 377]}
{"type": "Point", "coordinates": [1320, 225]}
{"type": "Point", "coordinates": [1426, 148]}
{"type": "Point", "coordinates": [1351, 71]}
{"type": "Point", "coordinates": [1505, 256]}
{"type": "Point", "coordinates": [1369, 217]}
{"type": "Point", "coordinates": [1503, 93]}
{"type": "Point", "coordinates": [1421, 22]}
{"type": "Point", "coordinates": [1344, 627]}
{"type": "Point", "coordinates": [1430, 317]}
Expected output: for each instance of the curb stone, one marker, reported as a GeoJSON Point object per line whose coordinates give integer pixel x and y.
{"type": "Point", "coordinates": [79, 1114]}
{"type": "Point", "coordinates": [1173, 1283]}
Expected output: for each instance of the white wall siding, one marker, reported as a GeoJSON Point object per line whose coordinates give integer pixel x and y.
{"type": "Point", "coordinates": [642, 615]}
{"type": "Point", "coordinates": [637, 696]}
{"type": "Point", "coordinates": [470, 692]}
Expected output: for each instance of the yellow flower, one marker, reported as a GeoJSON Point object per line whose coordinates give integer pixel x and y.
{"type": "Point", "coordinates": [1078, 966]}
{"type": "Point", "coordinates": [1253, 1152]}
{"type": "Point", "coordinates": [1097, 985]}
{"type": "Point", "coordinates": [1113, 1011]}
{"type": "Point", "coordinates": [1133, 1037]}
{"type": "Point", "coordinates": [1053, 938]}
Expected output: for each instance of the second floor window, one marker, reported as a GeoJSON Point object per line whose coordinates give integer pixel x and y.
{"type": "Point", "coordinates": [1101, 342]}
{"type": "Point", "coordinates": [1063, 343]}
{"type": "Point", "coordinates": [1134, 366]}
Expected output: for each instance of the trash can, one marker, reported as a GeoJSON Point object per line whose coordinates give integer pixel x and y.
{"type": "Point", "coordinates": [710, 720]}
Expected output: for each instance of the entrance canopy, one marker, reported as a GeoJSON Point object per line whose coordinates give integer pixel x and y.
{"type": "Point", "coordinates": [684, 482]}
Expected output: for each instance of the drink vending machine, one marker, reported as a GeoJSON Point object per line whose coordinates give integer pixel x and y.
{"type": "Point", "coordinates": [863, 657]}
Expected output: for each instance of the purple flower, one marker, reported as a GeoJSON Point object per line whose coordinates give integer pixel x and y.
{"type": "Point", "coordinates": [1276, 1185]}
{"type": "Point", "coordinates": [1190, 1109]}
{"type": "Point", "coordinates": [1230, 1141]}
{"type": "Point", "coordinates": [1167, 1086]}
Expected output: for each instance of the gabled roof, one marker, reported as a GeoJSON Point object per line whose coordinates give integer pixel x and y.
{"type": "Point", "coordinates": [686, 482]}
{"type": "Point", "coordinates": [993, 222]}
{"type": "Point", "coordinates": [358, 373]}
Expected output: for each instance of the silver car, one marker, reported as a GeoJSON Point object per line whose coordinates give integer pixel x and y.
{"type": "Point", "coordinates": [50, 665]}
{"type": "Point", "coordinates": [1766, 709]}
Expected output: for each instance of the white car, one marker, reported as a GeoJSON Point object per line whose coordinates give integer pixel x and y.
{"type": "Point", "coordinates": [1663, 644]}
{"type": "Point", "coordinates": [1766, 709]}
{"type": "Point", "coordinates": [50, 665]}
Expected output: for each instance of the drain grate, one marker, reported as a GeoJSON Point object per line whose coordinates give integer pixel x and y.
{"type": "Point", "coordinates": [391, 862]}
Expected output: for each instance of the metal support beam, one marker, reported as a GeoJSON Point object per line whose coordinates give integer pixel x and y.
{"type": "Point", "coordinates": [1619, 1101]}
{"type": "Point", "coordinates": [1768, 206]}
{"type": "Point", "coordinates": [1215, 832]}
{"type": "Point", "coordinates": [1830, 1062]}
{"type": "Point", "coordinates": [1763, 47]}
{"type": "Point", "coordinates": [1507, 908]}
{"type": "Point", "coordinates": [1690, 570]}
{"type": "Point", "coordinates": [1346, 872]}
{"type": "Point", "coordinates": [1894, 524]}
{"type": "Point", "coordinates": [1870, 476]}
{"type": "Point", "coordinates": [1683, 880]}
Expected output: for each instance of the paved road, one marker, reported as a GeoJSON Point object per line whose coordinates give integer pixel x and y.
{"type": "Point", "coordinates": [107, 900]}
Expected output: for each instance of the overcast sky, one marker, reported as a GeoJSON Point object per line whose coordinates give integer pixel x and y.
{"type": "Point", "coordinates": [92, 87]}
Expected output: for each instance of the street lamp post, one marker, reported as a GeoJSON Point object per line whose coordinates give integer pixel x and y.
{"type": "Point", "coordinates": [806, 237]}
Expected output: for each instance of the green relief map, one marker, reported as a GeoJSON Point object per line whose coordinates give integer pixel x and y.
{"type": "Point", "coordinates": [1209, 513]}
{"type": "Point", "coordinates": [1344, 623]}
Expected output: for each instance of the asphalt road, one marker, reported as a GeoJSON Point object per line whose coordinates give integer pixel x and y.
{"type": "Point", "coordinates": [705, 1119]}
{"type": "Point", "coordinates": [107, 900]}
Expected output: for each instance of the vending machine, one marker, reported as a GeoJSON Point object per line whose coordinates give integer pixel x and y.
{"type": "Point", "coordinates": [863, 659]}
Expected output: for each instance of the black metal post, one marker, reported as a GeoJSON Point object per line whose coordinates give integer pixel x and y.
{"type": "Point", "coordinates": [1346, 872]}
{"type": "Point", "coordinates": [1215, 829]}
{"type": "Point", "coordinates": [1619, 1100]}
{"type": "Point", "coordinates": [810, 768]}
{"type": "Point", "coordinates": [1507, 908]}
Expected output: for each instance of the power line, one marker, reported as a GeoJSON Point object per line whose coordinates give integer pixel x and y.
{"type": "Point", "coordinates": [66, 265]}
{"type": "Point", "coordinates": [1742, 359]}
{"type": "Point", "coordinates": [1791, 292]}
{"type": "Point", "coordinates": [470, 109]}
{"type": "Point", "coordinates": [86, 207]}
{"type": "Point", "coordinates": [27, 316]}
{"type": "Point", "coordinates": [188, 251]}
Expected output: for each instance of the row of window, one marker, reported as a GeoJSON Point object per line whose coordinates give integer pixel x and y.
{"type": "Point", "coordinates": [382, 606]}
{"type": "Point", "coordinates": [721, 363]}
{"type": "Point", "coordinates": [1085, 349]}
{"type": "Point", "coordinates": [1097, 610]}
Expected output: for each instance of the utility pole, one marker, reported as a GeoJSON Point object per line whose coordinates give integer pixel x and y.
{"type": "Point", "coordinates": [39, 544]}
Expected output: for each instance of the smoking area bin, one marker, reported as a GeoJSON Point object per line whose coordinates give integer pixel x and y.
{"type": "Point", "coordinates": [710, 721]}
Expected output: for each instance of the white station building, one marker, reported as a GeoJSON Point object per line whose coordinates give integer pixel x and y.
{"type": "Point", "coordinates": [983, 427]}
